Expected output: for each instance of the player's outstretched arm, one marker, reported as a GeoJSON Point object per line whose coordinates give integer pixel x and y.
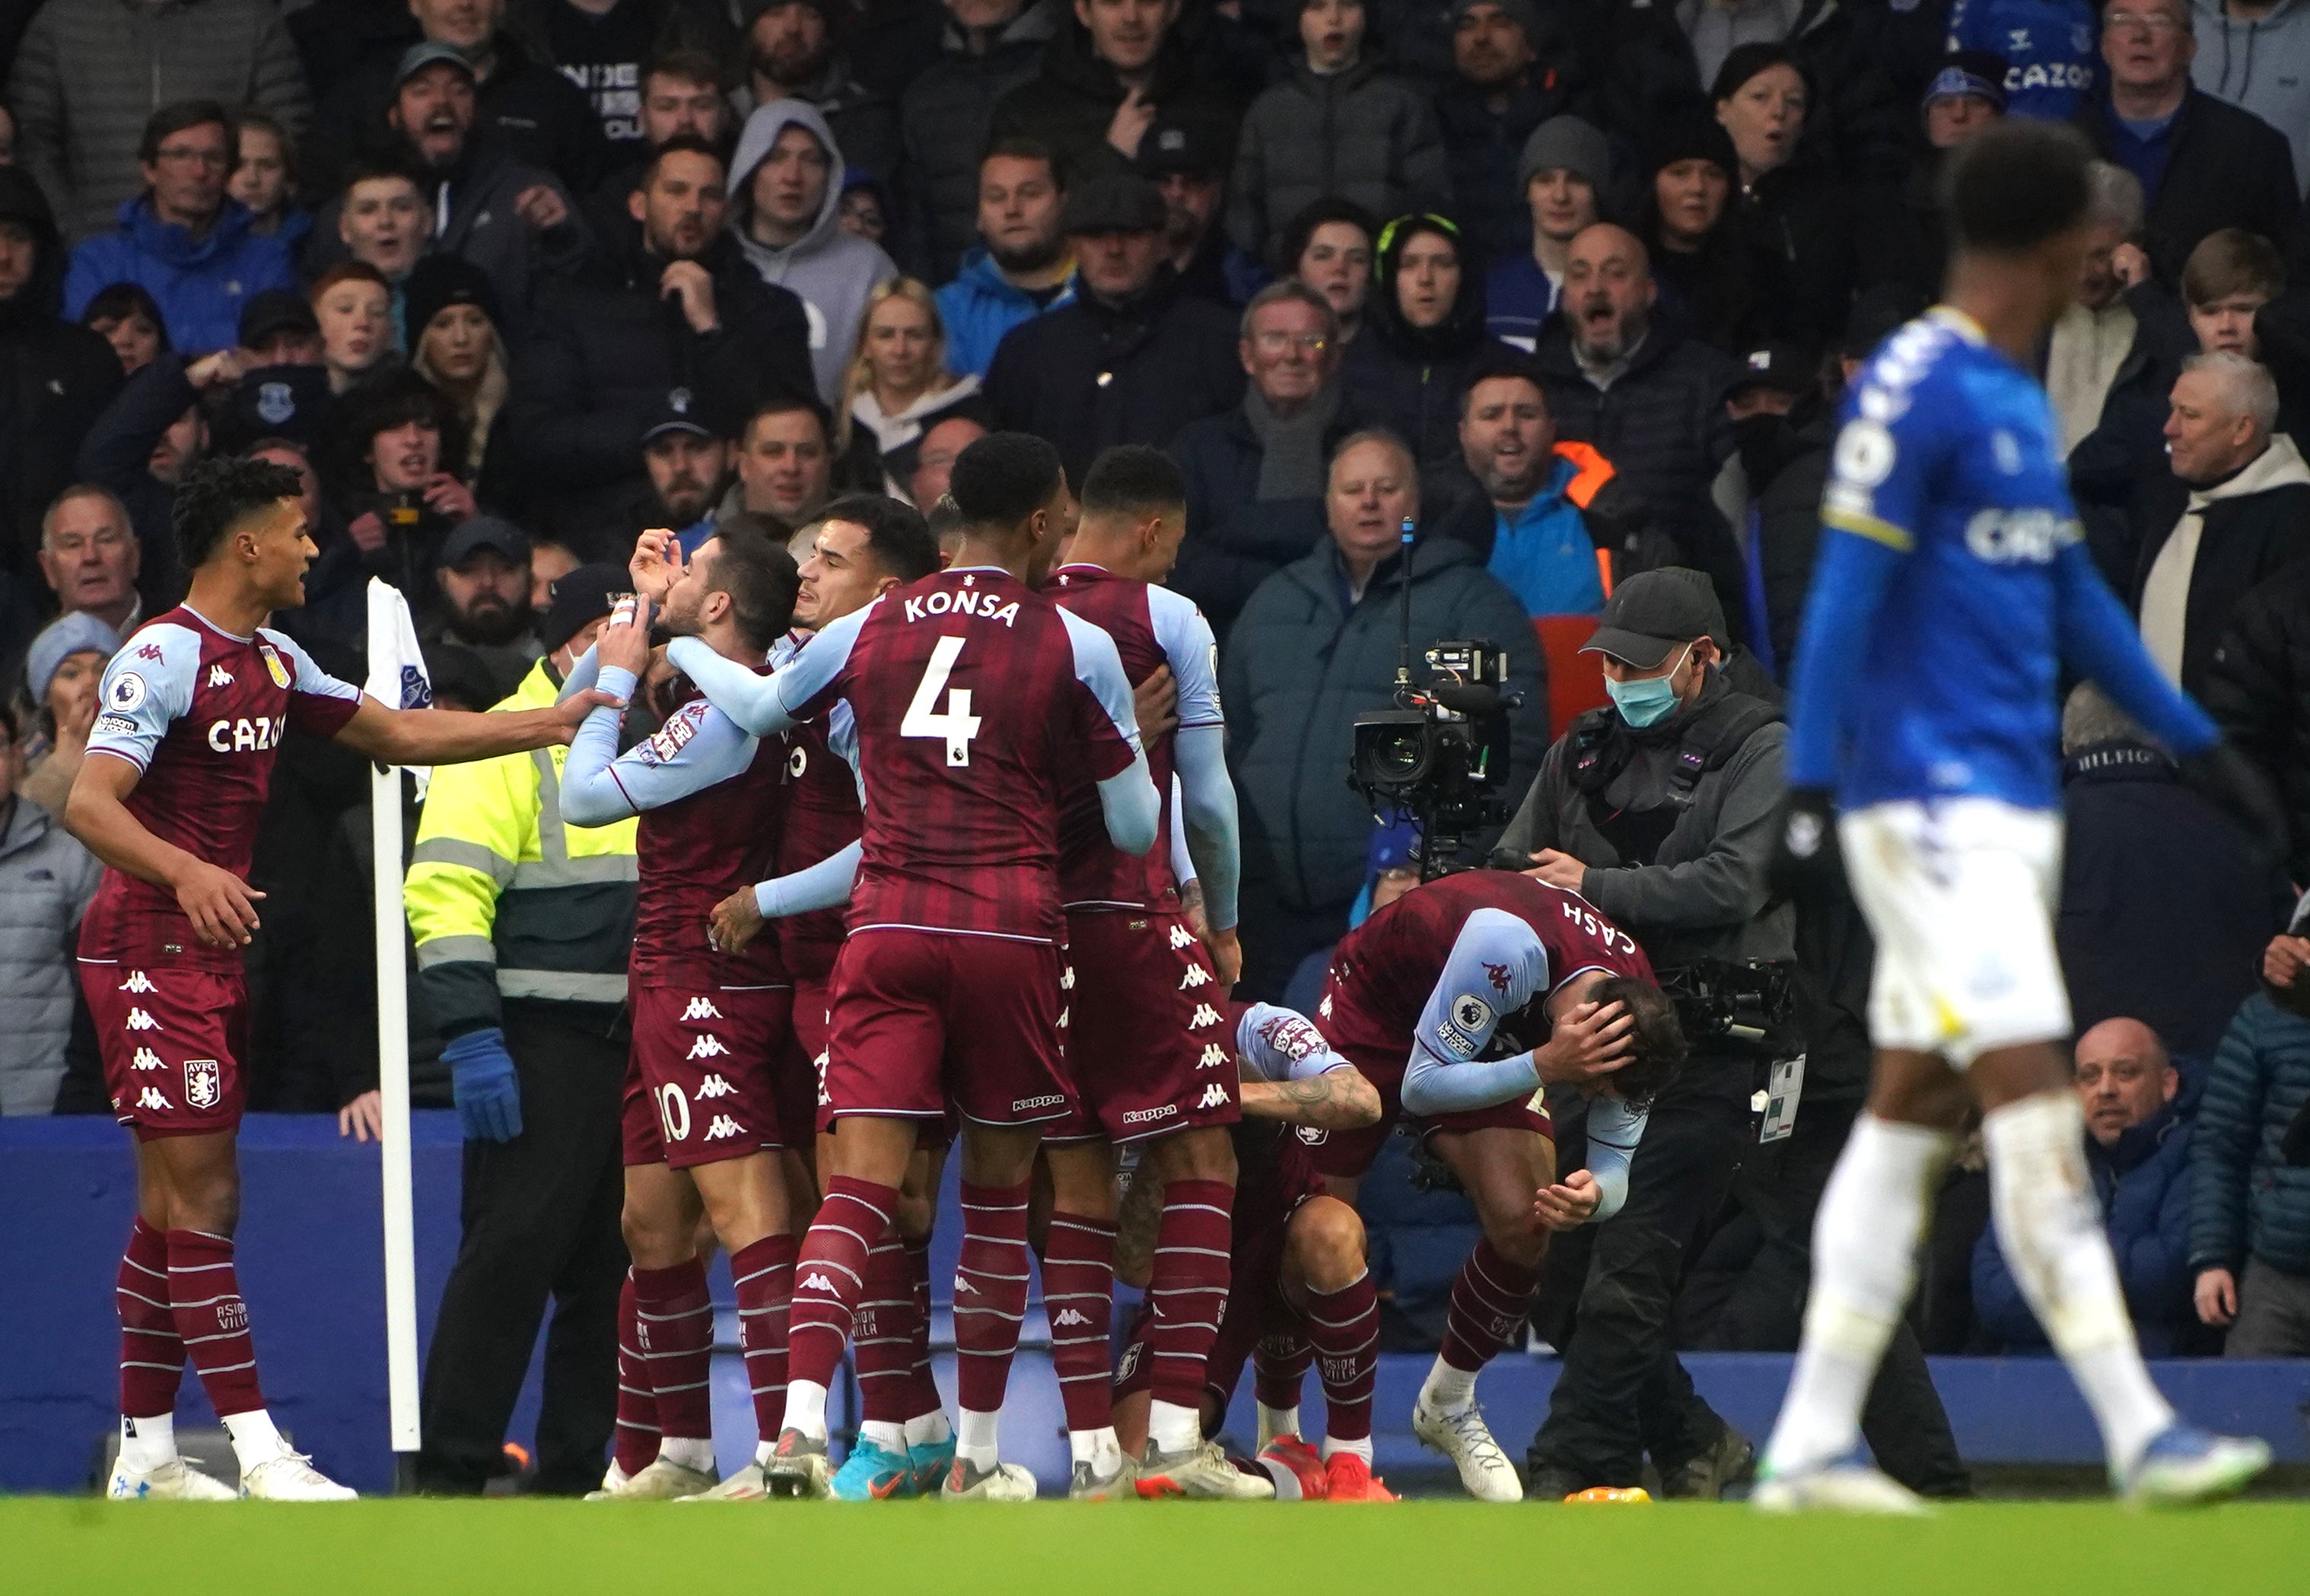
{"type": "Point", "coordinates": [824, 885]}
{"type": "Point", "coordinates": [454, 736]}
{"type": "Point", "coordinates": [221, 907]}
{"type": "Point", "coordinates": [781, 700]}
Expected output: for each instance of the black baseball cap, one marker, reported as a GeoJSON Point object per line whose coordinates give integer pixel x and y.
{"type": "Point", "coordinates": [275, 311]}
{"type": "Point", "coordinates": [579, 597]}
{"type": "Point", "coordinates": [684, 410]}
{"type": "Point", "coordinates": [477, 533]}
{"type": "Point", "coordinates": [1653, 614]}
{"type": "Point", "coordinates": [1189, 144]}
{"type": "Point", "coordinates": [1114, 203]}
{"type": "Point", "coordinates": [1779, 364]}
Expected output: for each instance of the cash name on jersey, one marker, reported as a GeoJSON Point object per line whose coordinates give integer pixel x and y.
{"type": "Point", "coordinates": [987, 607]}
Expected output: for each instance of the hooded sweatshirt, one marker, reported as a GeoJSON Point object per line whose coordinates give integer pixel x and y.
{"type": "Point", "coordinates": [2260, 66]}
{"type": "Point", "coordinates": [834, 273]}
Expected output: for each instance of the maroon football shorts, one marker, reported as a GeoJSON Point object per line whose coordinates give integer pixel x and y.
{"type": "Point", "coordinates": [1148, 1043]}
{"type": "Point", "coordinates": [641, 1141]}
{"type": "Point", "coordinates": [1381, 1059]}
{"type": "Point", "coordinates": [1256, 1308]}
{"type": "Point", "coordinates": [924, 1018]}
{"type": "Point", "coordinates": [172, 1036]}
{"type": "Point", "coordinates": [707, 1055]}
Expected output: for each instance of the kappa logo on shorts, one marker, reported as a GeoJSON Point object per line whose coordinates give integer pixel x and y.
{"type": "Point", "coordinates": [138, 982]}
{"type": "Point", "coordinates": [1324, 1008]}
{"type": "Point", "coordinates": [1213, 1057]}
{"type": "Point", "coordinates": [1067, 979]}
{"type": "Point", "coordinates": [723, 1128]}
{"type": "Point", "coordinates": [715, 1086]}
{"type": "Point", "coordinates": [701, 1009]}
{"type": "Point", "coordinates": [1140, 1116]}
{"type": "Point", "coordinates": [1181, 937]}
{"type": "Point", "coordinates": [146, 1059]}
{"type": "Point", "coordinates": [1204, 1015]}
{"type": "Point", "coordinates": [1063, 1018]}
{"type": "Point", "coordinates": [204, 1082]}
{"type": "Point", "coordinates": [138, 1021]}
{"type": "Point", "coordinates": [1049, 1100]}
{"type": "Point", "coordinates": [150, 1097]}
{"type": "Point", "coordinates": [1129, 1365]}
{"type": "Point", "coordinates": [1197, 975]}
{"type": "Point", "coordinates": [1215, 1095]}
{"type": "Point", "coordinates": [708, 1046]}
{"type": "Point", "coordinates": [1070, 1317]}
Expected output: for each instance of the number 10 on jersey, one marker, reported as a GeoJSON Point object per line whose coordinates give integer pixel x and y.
{"type": "Point", "coordinates": [957, 725]}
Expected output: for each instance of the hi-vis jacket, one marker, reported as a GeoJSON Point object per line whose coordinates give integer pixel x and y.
{"type": "Point", "coordinates": [505, 901]}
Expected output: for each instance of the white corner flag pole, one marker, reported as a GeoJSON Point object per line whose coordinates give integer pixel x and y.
{"type": "Point", "coordinates": [394, 660]}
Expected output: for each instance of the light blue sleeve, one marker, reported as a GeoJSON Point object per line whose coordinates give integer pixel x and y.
{"type": "Point", "coordinates": [698, 747]}
{"type": "Point", "coordinates": [762, 705]}
{"type": "Point", "coordinates": [1283, 1045]}
{"type": "Point", "coordinates": [1614, 1129]}
{"type": "Point", "coordinates": [1127, 799]}
{"type": "Point", "coordinates": [146, 685]}
{"type": "Point", "coordinates": [1207, 811]}
{"type": "Point", "coordinates": [1496, 966]}
{"type": "Point", "coordinates": [2100, 640]}
{"type": "Point", "coordinates": [820, 886]}
{"type": "Point", "coordinates": [585, 674]}
{"type": "Point", "coordinates": [1194, 654]}
{"type": "Point", "coordinates": [1183, 862]}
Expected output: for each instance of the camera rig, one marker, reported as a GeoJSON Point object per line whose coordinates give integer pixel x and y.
{"type": "Point", "coordinates": [1744, 1007]}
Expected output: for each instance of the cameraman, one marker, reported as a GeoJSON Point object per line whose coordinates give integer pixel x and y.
{"type": "Point", "coordinates": [1658, 811]}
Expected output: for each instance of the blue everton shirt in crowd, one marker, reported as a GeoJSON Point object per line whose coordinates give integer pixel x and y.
{"type": "Point", "coordinates": [1953, 583]}
{"type": "Point", "coordinates": [2050, 48]}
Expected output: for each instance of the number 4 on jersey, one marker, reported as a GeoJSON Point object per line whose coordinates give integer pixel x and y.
{"type": "Point", "coordinates": [958, 725]}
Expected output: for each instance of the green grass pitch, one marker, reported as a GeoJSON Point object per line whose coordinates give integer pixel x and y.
{"type": "Point", "coordinates": [1416, 1548]}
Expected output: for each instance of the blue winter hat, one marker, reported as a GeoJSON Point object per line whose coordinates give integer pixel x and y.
{"type": "Point", "coordinates": [76, 631]}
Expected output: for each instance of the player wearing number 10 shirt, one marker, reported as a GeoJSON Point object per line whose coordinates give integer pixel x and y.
{"type": "Point", "coordinates": [971, 695]}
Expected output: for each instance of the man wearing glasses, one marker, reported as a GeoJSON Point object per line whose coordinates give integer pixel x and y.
{"type": "Point", "coordinates": [2204, 164]}
{"type": "Point", "coordinates": [182, 239]}
{"type": "Point", "coordinates": [1255, 473]}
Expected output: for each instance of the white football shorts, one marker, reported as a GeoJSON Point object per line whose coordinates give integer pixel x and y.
{"type": "Point", "coordinates": [1959, 893]}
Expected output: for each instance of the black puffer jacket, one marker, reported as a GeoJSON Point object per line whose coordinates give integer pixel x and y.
{"type": "Point", "coordinates": [1409, 379]}
{"type": "Point", "coordinates": [605, 351]}
{"type": "Point", "coordinates": [1799, 222]}
{"type": "Point", "coordinates": [1787, 528]}
{"type": "Point", "coordinates": [1069, 104]}
{"type": "Point", "coordinates": [1088, 376]}
{"type": "Point", "coordinates": [1663, 426]}
{"type": "Point", "coordinates": [1353, 135]}
{"type": "Point", "coordinates": [944, 119]}
{"type": "Point", "coordinates": [56, 380]}
{"type": "Point", "coordinates": [2257, 687]}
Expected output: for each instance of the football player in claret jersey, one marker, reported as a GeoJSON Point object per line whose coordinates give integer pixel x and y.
{"type": "Point", "coordinates": [194, 710]}
{"type": "Point", "coordinates": [1147, 1045]}
{"type": "Point", "coordinates": [1439, 999]}
{"type": "Point", "coordinates": [1953, 586]}
{"type": "Point", "coordinates": [971, 696]}
{"type": "Point", "coordinates": [704, 1116]}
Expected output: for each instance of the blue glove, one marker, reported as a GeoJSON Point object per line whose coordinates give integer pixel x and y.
{"type": "Point", "coordinates": [482, 1079]}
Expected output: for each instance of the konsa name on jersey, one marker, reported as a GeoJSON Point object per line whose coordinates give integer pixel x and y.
{"type": "Point", "coordinates": [963, 601]}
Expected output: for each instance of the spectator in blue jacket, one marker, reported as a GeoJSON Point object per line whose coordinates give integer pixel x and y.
{"type": "Point", "coordinates": [2051, 49]}
{"type": "Point", "coordinates": [2138, 1148]}
{"type": "Point", "coordinates": [182, 240]}
{"type": "Point", "coordinates": [1024, 268]}
{"type": "Point", "coordinates": [2249, 1208]}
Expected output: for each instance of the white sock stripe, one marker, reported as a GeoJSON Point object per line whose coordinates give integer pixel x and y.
{"type": "Point", "coordinates": [1343, 1323]}
{"type": "Point", "coordinates": [768, 1269]}
{"type": "Point", "coordinates": [671, 1390]}
{"type": "Point", "coordinates": [1078, 1340]}
{"type": "Point", "coordinates": [1106, 1230]}
{"type": "Point", "coordinates": [1098, 1374]}
{"type": "Point", "coordinates": [231, 1368]}
{"type": "Point", "coordinates": [853, 1273]}
{"type": "Point", "coordinates": [987, 1312]}
{"type": "Point", "coordinates": [1163, 1324]}
{"type": "Point", "coordinates": [1196, 1251]}
{"type": "Point", "coordinates": [222, 1335]}
{"type": "Point", "coordinates": [209, 1302]}
{"type": "Point", "coordinates": [1195, 1208]}
{"type": "Point", "coordinates": [158, 1274]}
{"type": "Point", "coordinates": [763, 1390]}
{"type": "Point", "coordinates": [1077, 1297]}
{"type": "Point", "coordinates": [148, 1302]}
{"type": "Point", "coordinates": [994, 1208]}
{"type": "Point", "coordinates": [193, 1269]}
{"type": "Point", "coordinates": [852, 1198]}
{"type": "Point", "coordinates": [165, 1368]}
{"type": "Point", "coordinates": [706, 1310]}
{"type": "Point", "coordinates": [847, 1230]}
{"type": "Point", "coordinates": [146, 1330]}
{"type": "Point", "coordinates": [210, 1235]}
{"type": "Point", "coordinates": [884, 1341]}
{"type": "Point", "coordinates": [984, 1274]}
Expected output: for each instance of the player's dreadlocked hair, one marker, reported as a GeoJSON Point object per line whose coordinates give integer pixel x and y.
{"type": "Point", "coordinates": [2015, 185]}
{"type": "Point", "coordinates": [217, 493]}
{"type": "Point", "coordinates": [760, 577]}
{"type": "Point", "coordinates": [1004, 477]}
{"type": "Point", "coordinates": [895, 534]}
{"type": "Point", "coordinates": [1657, 1035]}
{"type": "Point", "coordinates": [1133, 480]}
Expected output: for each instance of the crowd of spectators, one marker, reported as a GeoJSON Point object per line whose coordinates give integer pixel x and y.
{"type": "Point", "coordinates": [1570, 287]}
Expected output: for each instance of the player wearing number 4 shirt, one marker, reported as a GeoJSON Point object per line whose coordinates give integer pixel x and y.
{"type": "Point", "coordinates": [1439, 999]}
{"type": "Point", "coordinates": [705, 1118]}
{"type": "Point", "coordinates": [194, 710]}
{"type": "Point", "coordinates": [971, 694]}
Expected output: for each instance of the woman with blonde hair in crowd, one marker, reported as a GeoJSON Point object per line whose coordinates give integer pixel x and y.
{"type": "Point", "coordinates": [455, 346]}
{"type": "Point", "coordinates": [898, 387]}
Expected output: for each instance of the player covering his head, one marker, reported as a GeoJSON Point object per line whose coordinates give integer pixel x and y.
{"type": "Point", "coordinates": [704, 1115]}
{"type": "Point", "coordinates": [194, 710]}
{"type": "Point", "coordinates": [972, 699]}
{"type": "Point", "coordinates": [1953, 588]}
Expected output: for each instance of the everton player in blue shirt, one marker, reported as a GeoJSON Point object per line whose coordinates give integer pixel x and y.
{"type": "Point", "coordinates": [1951, 588]}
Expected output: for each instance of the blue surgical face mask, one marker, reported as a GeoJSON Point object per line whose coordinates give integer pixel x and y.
{"type": "Point", "coordinates": [1648, 700]}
